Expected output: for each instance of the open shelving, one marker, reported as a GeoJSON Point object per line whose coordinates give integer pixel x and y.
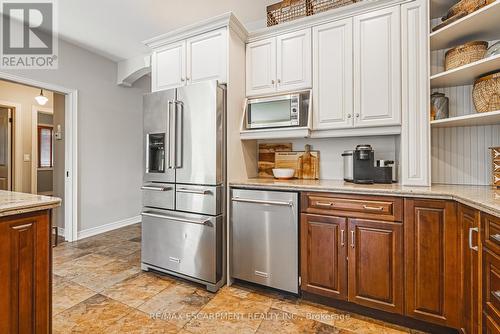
{"type": "Point", "coordinates": [482, 24]}
{"type": "Point", "coordinates": [486, 118]}
{"type": "Point", "coordinates": [467, 74]}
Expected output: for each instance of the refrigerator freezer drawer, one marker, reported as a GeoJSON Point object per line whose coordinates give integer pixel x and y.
{"type": "Point", "coordinates": [184, 243]}
{"type": "Point", "coordinates": [264, 227]}
{"type": "Point", "coordinates": [158, 195]}
{"type": "Point", "coordinates": [199, 199]}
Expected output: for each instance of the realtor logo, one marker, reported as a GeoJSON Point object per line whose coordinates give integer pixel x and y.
{"type": "Point", "coordinates": [29, 39]}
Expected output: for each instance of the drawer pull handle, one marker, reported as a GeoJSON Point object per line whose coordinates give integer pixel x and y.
{"type": "Point", "coordinates": [472, 229]}
{"type": "Point", "coordinates": [496, 237]}
{"type": "Point", "coordinates": [193, 191]}
{"type": "Point", "coordinates": [153, 188]}
{"type": "Point", "coordinates": [373, 208]}
{"type": "Point", "coordinates": [352, 239]}
{"type": "Point", "coordinates": [342, 241]}
{"type": "Point", "coordinates": [496, 294]}
{"type": "Point", "coordinates": [178, 219]}
{"type": "Point", "coordinates": [329, 204]}
{"type": "Point", "coordinates": [174, 259]}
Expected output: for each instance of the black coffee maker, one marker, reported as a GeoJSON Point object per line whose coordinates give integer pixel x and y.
{"type": "Point", "coordinates": [364, 169]}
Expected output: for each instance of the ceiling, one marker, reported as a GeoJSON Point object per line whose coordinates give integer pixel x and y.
{"type": "Point", "coordinates": [116, 28]}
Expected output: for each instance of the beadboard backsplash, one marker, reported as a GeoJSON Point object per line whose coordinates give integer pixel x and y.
{"type": "Point", "coordinates": [331, 162]}
{"type": "Point", "coordinates": [460, 155]}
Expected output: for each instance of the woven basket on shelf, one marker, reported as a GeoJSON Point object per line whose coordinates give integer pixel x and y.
{"type": "Point", "coordinates": [465, 6]}
{"type": "Point", "coordinates": [486, 93]}
{"type": "Point", "coordinates": [288, 10]}
{"type": "Point", "coordinates": [465, 54]}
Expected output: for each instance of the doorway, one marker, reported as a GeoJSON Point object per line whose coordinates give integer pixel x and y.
{"type": "Point", "coordinates": [5, 148]}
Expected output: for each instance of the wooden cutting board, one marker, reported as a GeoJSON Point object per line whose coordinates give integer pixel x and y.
{"type": "Point", "coordinates": [306, 166]}
{"type": "Point", "coordinates": [267, 157]}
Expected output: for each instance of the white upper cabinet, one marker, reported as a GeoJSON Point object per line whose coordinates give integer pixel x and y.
{"type": "Point", "coordinates": [168, 65]}
{"type": "Point", "coordinates": [261, 67]}
{"type": "Point", "coordinates": [332, 75]}
{"type": "Point", "coordinates": [279, 64]}
{"type": "Point", "coordinates": [207, 57]}
{"type": "Point", "coordinates": [197, 59]}
{"type": "Point", "coordinates": [377, 68]}
{"type": "Point", "coordinates": [293, 60]}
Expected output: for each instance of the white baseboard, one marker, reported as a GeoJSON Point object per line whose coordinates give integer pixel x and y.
{"type": "Point", "coordinates": [108, 227]}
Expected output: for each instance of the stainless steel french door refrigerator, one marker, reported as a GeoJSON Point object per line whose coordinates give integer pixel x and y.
{"type": "Point", "coordinates": [183, 218]}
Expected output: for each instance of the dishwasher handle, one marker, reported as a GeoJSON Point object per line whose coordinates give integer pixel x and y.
{"type": "Point", "coordinates": [258, 201]}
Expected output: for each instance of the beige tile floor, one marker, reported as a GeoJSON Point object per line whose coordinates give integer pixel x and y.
{"type": "Point", "coordinates": [99, 288]}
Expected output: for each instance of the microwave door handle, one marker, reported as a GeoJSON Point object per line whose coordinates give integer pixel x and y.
{"type": "Point", "coordinates": [178, 124]}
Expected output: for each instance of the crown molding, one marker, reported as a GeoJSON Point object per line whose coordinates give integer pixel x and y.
{"type": "Point", "coordinates": [225, 20]}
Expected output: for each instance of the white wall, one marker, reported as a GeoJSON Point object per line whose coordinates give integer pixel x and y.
{"type": "Point", "coordinates": [109, 135]}
{"type": "Point", "coordinates": [331, 164]}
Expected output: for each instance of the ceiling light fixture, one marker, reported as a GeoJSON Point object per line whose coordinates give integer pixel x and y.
{"type": "Point", "coordinates": [41, 99]}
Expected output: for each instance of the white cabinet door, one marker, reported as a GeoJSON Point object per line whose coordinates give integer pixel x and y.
{"type": "Point", "coordinates": [261, 67]}
{"type": "Point", "coordinates": [294, 64]}
{"type": "Point", "coordinates": [377, 69]}
{"type": "Point", "coordinates": [169, 67]}
{"type": "Point", "coordinates": [332, 75]}
{"type": "Point", "coordinates": [207, 57]}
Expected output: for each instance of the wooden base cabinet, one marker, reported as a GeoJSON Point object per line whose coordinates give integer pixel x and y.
{"type": "Point", "coordinates": [432, 262]}
{"type": "Point", "coordinates": [490, 237]}
{"type": "Point", "coordinates": [376, 264]}
{"type": "Point", "coordinates": [323, 255]}
{"type": "Point", "coordinates": [25, 273]}
{"type": "Point", "coordinates": [468, 219]}
{"type": "Point", "coordinates": [354, 259]}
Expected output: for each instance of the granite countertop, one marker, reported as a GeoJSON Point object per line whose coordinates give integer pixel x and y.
{"type": "Point", "coordinates": [13, 203]}
{"type": "Point", "coordinates": [484, 198]}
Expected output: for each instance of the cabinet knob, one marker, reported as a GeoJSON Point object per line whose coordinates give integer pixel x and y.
{"type": "Point", "coordinates": [349, 115]}
{"type": "Point", "coordinates": [272, 81]}
{"type": "Point", "coordinates": [182, 79]}
{"type": "Point", "coordinates": [279, 80]}
{"type": "Point", "coordinates": [357, 115]}
{"type": "Point", "coordinates": [187, 79]}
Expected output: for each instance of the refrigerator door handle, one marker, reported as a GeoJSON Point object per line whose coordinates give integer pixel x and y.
{"type": "Point", "coordinates": [178, 136]}
{"type": "Point", "coordinates": [169, 136]}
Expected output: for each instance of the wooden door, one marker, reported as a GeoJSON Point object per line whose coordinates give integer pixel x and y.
{"type": "Point", "coordinates": [332, 75]}
{"type": "Point", "coordinates": [25, 274]}
{"type": "Point", "coordinates": [323, 255]}
{"type": "Point", "coordinates": [433, 262]}
{"type": "Point", "coordinates": [377, 68]}
{"type": "Point", "coordinates": [207, 57]}
{"type": "Point", "coordinates": [168, 66]}
{"type": "Point", "coordinates": [261, 67]}
{"type": "Point", "coordinates": [468, 219]}
{"type": "Point", "coordinates": [294, 65]}
{"type": "Point", "coordinates": [376, 264]}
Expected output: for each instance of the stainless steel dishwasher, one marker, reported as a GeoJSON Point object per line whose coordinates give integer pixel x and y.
{"type": "Point", "coordinates": [264, 238]}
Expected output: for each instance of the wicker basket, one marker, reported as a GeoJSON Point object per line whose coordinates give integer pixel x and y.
{"type": "Point", "coordinates": [465, 6]}
{"type": "Point", "coordinates": [465, 54]}
{"type": "Point", "coordinates": [486, 93]}
{"type": "Point", "coordinates": [288, 10]}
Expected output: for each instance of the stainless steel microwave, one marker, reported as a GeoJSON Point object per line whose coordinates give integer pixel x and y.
{"type": "Point", "coordinates": [288, 110]}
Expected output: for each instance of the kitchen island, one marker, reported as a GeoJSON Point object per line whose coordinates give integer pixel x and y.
{"type": "Point", "coordinates": [25, 262]}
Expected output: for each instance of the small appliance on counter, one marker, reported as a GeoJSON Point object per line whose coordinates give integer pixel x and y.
{"type": "Point", "coordinates": [359, 167]}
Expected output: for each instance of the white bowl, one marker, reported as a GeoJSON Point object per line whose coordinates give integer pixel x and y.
{"type": "Point", "coordinates": [283, 173]}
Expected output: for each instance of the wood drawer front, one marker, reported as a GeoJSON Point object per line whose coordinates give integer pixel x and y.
{"type": "Point", "coordinates": [371, 207]}
{"type": "Point", "coordinates": [491, 232]}
{"type": "Point", "coordinates": [491, 285]}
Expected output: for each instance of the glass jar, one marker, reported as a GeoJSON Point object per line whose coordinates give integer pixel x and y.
{"type": "Point", "coordinates": [439, 106]}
